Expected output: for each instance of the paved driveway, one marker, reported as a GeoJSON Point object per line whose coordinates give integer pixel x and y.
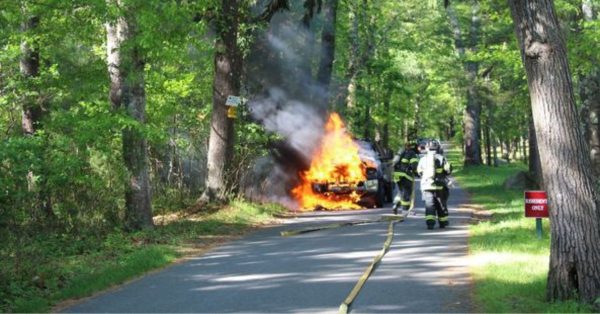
{"type": "Point", "coordinates": [424, 271]}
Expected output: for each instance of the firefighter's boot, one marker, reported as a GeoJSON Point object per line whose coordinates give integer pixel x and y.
{"type": "Point", "coordinates": [430, 224]}
{"type": "Point", "coordinates": [443, 221]}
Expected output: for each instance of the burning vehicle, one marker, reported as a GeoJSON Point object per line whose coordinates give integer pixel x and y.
{"type": "Point", "coordinates": [371, 190]}
{"type": "Point", "coordinates": [344, 173]}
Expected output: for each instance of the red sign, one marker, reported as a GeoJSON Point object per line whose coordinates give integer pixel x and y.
{"type": "Point", "coordinates": [536, 204]}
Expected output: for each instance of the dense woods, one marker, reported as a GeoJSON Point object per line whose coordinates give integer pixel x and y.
{"type": "Point", "coordinates": [114, 111]}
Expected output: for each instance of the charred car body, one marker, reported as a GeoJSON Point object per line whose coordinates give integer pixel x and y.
{"type": "Point", "coordinates": [374, 191]}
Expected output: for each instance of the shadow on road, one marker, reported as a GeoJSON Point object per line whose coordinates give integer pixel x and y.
{"type": "Point", "coordinates": [424, 271]}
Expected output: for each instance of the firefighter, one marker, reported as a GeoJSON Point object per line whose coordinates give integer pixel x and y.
{"type": "Point", "coordinates": [405, 167]}
{"type": "Point", "coordinates": [434, 170]}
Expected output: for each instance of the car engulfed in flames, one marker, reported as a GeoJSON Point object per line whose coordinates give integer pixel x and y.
{"type": "Point", "coordinates": [343, 174]}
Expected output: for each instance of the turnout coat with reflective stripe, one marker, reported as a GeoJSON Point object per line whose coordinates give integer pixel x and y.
{"type": "Point", "coordinates": [405, 165]}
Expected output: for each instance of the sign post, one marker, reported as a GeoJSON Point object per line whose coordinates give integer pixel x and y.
{"type": "Point", "coordinates": [536, 206]}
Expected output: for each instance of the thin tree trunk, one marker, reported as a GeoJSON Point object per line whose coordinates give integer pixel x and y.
{"type": "Point", "coordinates": [589, 92]}
{"type": "Point", "coordinates": [488, 143]}
{"type": "Point", "coordinates": [367, 117]}
{"type": "Point", "coordinates": [575, 250]}
{"type": "Point", "coordinates": [524, 149]}
{"type": "Point", "coordinates": [30, 68]}
{"type": "Point", "coordinates": [413, 131]}
{"type": "Point", "coordinates": [495, 153]}
{"type": "Point", "coordinates": [228, 64]}
{"type": "Point", "coordinates": [354, 57]}
{"type": "Point", "coordinates": [127, 91]}
{"type": "Point", "coordinates": [386, 124]}
{"type": "Point", "coordinates": [327, 43]}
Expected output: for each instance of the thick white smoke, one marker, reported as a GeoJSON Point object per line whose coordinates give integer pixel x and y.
{"type": "Point", "coordinates": [298, 123]}
{"type": "Point", "coordinates": [290, 103]}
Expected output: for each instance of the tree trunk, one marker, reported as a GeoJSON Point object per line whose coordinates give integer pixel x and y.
{"type": "Point", "coordinates": [30, 68]}
{"type": "Point", "coordinates": [495, 153]}
{"type": "Point", "coordinates": [386, 124]}
{"type": "Point", "coordinates": [327, 43]}
{"type": "Point", "coordinates": [32, 113]}
{"type": "Point", "coordinates": [488, 143]}
{"type": "Point", "coordinates": [353, 58]}
{"type": "Point", "coordinates": [367, 117]}
{"type": "Point", "coordinates": [228, 64]}
{"type": "Point", "coordinates": [524, 148]}
{"type": "Point", "coordinates": [573, 200]}
{"type": "Point", "coordinates": [535, 165]}
{"type": "Point", "coordinates": [452, 128]}
{"type": "Point", "coordinates": [589, 92]}
{"type": "Point", "coordinates": [127, 91]}
{"type": "Point", "coordinates": [471, 118]}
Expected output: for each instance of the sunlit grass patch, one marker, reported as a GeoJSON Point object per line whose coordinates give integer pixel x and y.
{"type": "Point", "coordinates": [248, 213]}
{"type": "Point", "coordinates": [509, 263]}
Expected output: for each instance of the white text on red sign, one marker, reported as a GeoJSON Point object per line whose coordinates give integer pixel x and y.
{"type": "Point", "coordinates": [536, 201]}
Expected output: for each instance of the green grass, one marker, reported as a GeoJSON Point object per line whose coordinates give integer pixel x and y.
{"type": "Point", "coordinates": [50, 268]}
{"type": "Point", "coordinates": [510, 263]}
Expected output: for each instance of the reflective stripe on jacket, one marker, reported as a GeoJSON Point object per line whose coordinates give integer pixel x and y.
{"type": "Point", "coordinates": [406, 165]}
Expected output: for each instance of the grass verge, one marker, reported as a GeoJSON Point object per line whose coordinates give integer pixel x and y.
{"type": "Point", "coordinates": [510, 263]}
{"type": "Point", "coordinates": [51, 268]}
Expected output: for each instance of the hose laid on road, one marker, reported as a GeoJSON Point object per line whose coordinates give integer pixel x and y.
{"type": "Point", "coordinates": [345, 306]}
{"type": "Point", "coordinates": [290, 233]}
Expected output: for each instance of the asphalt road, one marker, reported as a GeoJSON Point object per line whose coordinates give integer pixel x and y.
{"type": "Point", "coordinates": [424, 271]}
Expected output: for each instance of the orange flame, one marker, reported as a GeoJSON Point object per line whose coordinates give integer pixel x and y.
{"type": "Point", "coordinates": [336, 162]}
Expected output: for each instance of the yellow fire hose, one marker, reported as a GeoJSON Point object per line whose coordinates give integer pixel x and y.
{"type": "Point", "coordinates": [344, 307]}
{"type": "Point", "coordinates": [290, 233]}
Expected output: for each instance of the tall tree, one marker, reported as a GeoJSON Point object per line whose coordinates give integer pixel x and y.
{"type": "Point", "coordinates": [30, 69]}
{"type": "Point", "coordinates": [327, 42]}
{"type": "Point", "coordinates": [573, 199]}
{"type": "Point", "coordinates": [32, 113]}
{"type": "Point", "coordinates": [353, 58]}
{"type": "Point", "coordinates": [472, 113]}
{"type": "Point", "coordinates": [589, 92]}
{"type": "Point", "coordinates": [228, 66]}
{"type": "Point", "coordinates": [127, 91]}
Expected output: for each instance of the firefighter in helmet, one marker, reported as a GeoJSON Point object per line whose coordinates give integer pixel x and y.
{"type": "Point", "coordinates": [405, 167]}
{"type": "Point", "coordinates": [434, 169]}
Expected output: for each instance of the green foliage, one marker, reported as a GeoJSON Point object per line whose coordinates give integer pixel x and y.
{"type": "Point", "coordinates": [410, 82]}
{"type": "Point", "coordinates": [54, 267]}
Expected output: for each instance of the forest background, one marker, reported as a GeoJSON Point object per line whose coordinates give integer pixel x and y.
{"type": "Point", "coordinates": [86, 149]}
